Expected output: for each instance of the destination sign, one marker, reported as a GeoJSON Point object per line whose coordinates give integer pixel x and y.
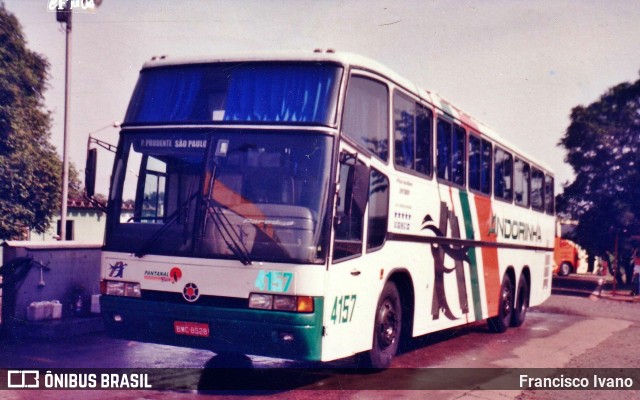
{"type": "Point", "coordinates": [166, 144]}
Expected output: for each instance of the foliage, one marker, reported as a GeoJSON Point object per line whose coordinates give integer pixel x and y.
{"type": "Point", "coordinates": [603, 147]}
{"type": "Point", "coordinates": [76, 189]}
{"type": "Point", "coordinates": [30, 168]}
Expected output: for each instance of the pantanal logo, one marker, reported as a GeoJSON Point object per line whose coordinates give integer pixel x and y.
{"type": "Point", "coordinates": [173, 276]}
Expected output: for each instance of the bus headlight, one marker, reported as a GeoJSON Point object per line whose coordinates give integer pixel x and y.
{"type": "Point", "coordinates": [132, 290]}
{"type": "Point", "coordinates": [284, 303]}
{"type": "Point", "coordinates": [117, 288]}
{"type": "Point", "coordinates": [259, 300]}
{"type": "Point", "coordinates": [114, 288]}
{"type": "Point", "coordinates": [301, 304]}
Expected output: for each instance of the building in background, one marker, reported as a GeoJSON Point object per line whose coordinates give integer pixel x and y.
{"type": "Point", "coordinates": [85, 222]}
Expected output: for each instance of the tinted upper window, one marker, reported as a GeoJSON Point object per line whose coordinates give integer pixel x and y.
{"type": "Point", "coordinates": [549, 200]}
{"type": "Point", "coordinates": [479, 164]}
{"type": "Point", "coordinates": [451, 152]}
{"type": "Point", "coordinates": [424, 123]}
{"type": "Point", "coordinates": [247, 92]}
{"type": "Point", "coordinates": [537, 189]}
{"type": "Point", "coordinates": [366, 115]}
{"type": "Point", "coordinates": [404, 123]}
{"type": "Point", "coordinates": [521, 183]}
{"type": "Point", "coordinates": [503, 176]}
{"type": "Point", "coordinates": [412, 135]}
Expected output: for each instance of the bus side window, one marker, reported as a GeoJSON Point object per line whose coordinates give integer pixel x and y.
{"type": "Point", "coordinates": [366, 115]}
{"type": "Point", "coordinates": [443, 150]}
{"type": "Point", "coordinates": [378, 210]}
{"type": "Point", "coordinates": [450, 154]}
{"type": "Point", "coordinates": [458, 155]}
{"type": "Point", "coordinates": [521, 185]}
{"type": "Point", "coordinates": [503, 185]}
{"type": "Point", "coordinates": [475, 163]}
{"type": "Point", "coordinates": [479, 164]}
{"type": "Point", "coordinates": [424, 121]}
{"type": "Point", "coordinates": [351, 204]}
{"type": "Point", "coordinates": [150, 207]}
{"type": "Point", "coordinates": [537, 189]}
{"type": "Point", "coordinates": [404, 115]}
{"type": "Point", "coordinates": [549, 198]}
{"type": "Point", "coordinates": [485, 179]}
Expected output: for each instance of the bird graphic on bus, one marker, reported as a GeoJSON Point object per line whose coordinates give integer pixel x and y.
{"type": "Point", "coordinates": [439, 250]}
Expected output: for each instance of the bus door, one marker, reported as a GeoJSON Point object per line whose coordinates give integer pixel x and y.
{"type": "Point", "coordinates": [350, 291]}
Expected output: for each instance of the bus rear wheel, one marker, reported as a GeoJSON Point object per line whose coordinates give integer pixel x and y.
{"type": "Point", "coordinates": [387, 328]}
{"type": "Point", "coordinates": [522, 302]}
{"type": "Point", "coordinates": [501, 322]}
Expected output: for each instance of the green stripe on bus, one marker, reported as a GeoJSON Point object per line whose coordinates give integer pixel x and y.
{"type": "Point", "coordinates": [473, 263]}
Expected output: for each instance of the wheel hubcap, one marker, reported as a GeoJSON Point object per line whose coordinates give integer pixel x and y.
{"type": "Point", "coordinates": [506, 301]}
{"type": "Point", "coordinates": [387, 325]}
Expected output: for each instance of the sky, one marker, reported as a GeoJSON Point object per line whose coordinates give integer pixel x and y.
{"type": "Point", "coordinates": [517, 66]}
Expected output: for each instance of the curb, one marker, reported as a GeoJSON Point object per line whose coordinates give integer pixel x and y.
{"type": "Point", "coordinates": [619, 295]}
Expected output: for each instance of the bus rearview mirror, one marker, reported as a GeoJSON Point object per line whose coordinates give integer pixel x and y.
{"type": "Point", "coordinates": [90, 172]}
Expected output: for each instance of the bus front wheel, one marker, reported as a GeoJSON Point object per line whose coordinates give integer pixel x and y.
{"type": "Point", "coordinates": [501, 322]}
{"type": "Point", "coordinates": [387, 328]}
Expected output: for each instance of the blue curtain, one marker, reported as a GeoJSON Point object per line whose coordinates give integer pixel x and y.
{"type": "Point", "coordinates": [280, 93]}
{"type": "Point", "coordinates": [407, 143]}
{"type": "Point", "coordinates": [165, 96]}
{"type": "Point", "coordinates": [255, 93]}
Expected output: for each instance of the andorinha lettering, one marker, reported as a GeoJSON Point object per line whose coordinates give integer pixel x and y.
{"type": "Point", "coordinates": [511, 229]}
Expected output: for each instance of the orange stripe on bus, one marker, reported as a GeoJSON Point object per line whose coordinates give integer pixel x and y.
{"type": "Point", "coordinates": [226, 196]}
{"type": "Point", "coordinates": [490, 264]}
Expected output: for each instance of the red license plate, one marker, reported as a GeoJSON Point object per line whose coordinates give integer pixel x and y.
{"type": "Point", "coordinates": [191, 328]}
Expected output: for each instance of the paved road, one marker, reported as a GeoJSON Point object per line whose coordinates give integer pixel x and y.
{"type": "Point", "coordinates": [555, 335]}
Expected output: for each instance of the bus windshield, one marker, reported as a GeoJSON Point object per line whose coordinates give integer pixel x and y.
{"type": "Point", "coordinates": [257, 196]}
{"type": "Point", "coordinates": [301, 93]}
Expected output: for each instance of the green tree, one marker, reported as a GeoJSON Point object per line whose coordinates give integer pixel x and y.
{"type": "Point", "coordinates": [603, 147]}
{"type": "Point", "coordinates": [30, 169]}
{"type": "Point", "coordinates": [76, 188]}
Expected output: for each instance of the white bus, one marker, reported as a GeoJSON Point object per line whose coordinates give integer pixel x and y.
{"type": "Point", "coordinates": [314, 207]}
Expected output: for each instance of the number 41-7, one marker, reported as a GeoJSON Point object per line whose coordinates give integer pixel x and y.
{"type": "Point", "coordinates": [274, 281]}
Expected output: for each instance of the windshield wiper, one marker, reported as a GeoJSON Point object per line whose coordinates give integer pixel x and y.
{"type": "Point", "coordinates": [231, 238]}
{"type": "Point", "coordinates": [169, 222]}
{"type": "Point", "coordinates": [222, 224]}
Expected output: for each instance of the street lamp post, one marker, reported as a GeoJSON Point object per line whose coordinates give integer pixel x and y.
{"type": "Point", "coordinates": [64, 16]}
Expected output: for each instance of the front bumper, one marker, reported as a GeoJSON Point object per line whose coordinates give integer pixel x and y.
{"type": "Point", "coordinates": [239, 330]}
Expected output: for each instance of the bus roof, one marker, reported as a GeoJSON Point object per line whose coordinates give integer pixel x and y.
{"type": "Point", "coordinates": [351, 60]}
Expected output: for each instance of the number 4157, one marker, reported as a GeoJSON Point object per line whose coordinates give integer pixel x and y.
{"type": "Point", "coordinates": [343, 307]}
